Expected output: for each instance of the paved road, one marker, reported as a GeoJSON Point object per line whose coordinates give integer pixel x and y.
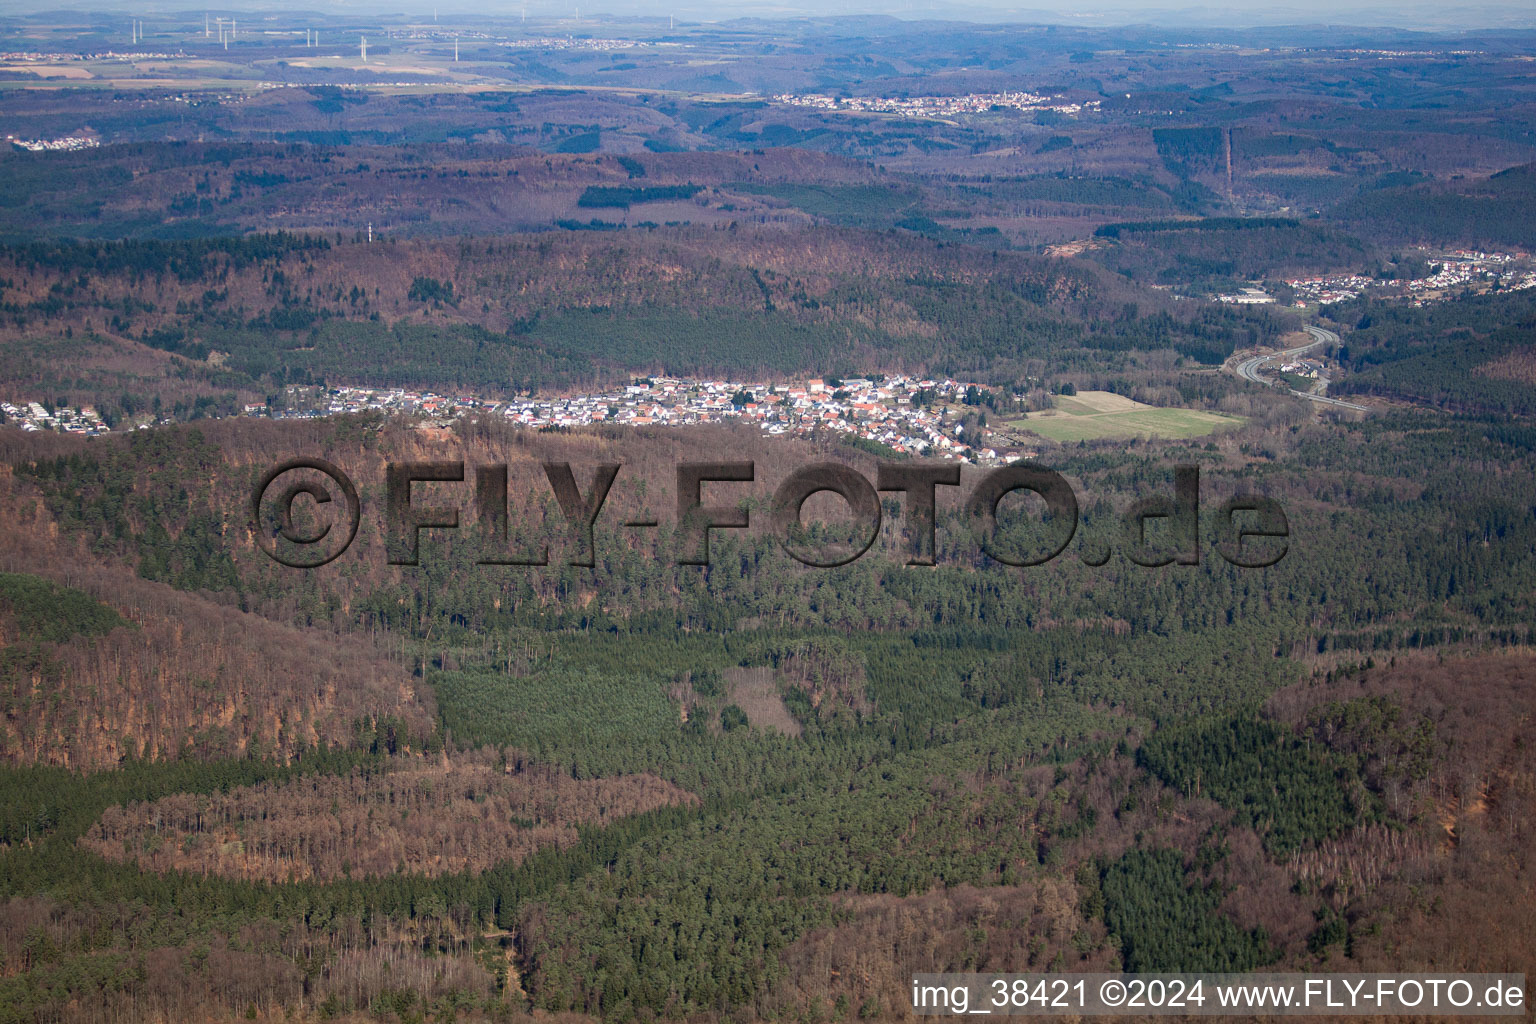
{"type": "Point", "coordinates": [1248, 369]}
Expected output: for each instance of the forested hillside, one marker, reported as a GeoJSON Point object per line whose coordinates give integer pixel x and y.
{"type": "Point", "coordinates": [1494, 212]}
{"type": "Point", "coordinates": [1475, 355]}
{"type": "Point", "coordinates": [504, 317]}
{"type": "Point", "coordinates": [1218, 253]}
{"type": "Point", "coordinates": [1100, 734]}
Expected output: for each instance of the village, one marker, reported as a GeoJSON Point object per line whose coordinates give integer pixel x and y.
{"type": "Point", "coordinates": [586, 43]}
{"type": "Point", "coordinates": [903, 414]}
{"type": "Point", "coordinates": [938, 106]}
{"type": "Point", "coordinates": [67, 144]}
{"type": "Point", "coordinates": [1454, 269]}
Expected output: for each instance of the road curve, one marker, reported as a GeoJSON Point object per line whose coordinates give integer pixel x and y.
{"type": "Point", "coordinates": [1249, 368]}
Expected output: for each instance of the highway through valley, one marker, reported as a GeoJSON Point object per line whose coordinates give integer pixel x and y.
{"type": "Point", "coordinates": [1249, 369]}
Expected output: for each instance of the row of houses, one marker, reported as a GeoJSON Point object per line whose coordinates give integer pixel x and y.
{"type": "Point", "coordinates": [33, 416]}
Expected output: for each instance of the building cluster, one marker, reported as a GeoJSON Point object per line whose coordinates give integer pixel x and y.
{"type": "Point", "coordinates": [133, 55]}
{"type": "Point", "coordinates": [67, 144]}
{"type": "Point", "coordinates": [938, 106]}
{"type": "Point", "coordinates": [1414, 53]}
{"type": "Point", "coordinates": [902, 413]}
{"type": "Point", "coordinates": [1309, 368]}
{"type": "Point", "coordinates": [1456, 269]}
{"type": "Point", "coordinates": [34, 56]}
{"type": "Point", "coordinates": [30, 416]}
{"type": "Point", "coordinates": [435, 35]}
{"type": "Point", "coordinates": [1247, 297]}
{"type": "Point", "coordinates": [583, 43]}
{"type": "Point", "coordinates": [1331, 288]}
{"type": "Point", "coordinates": [1463, 266]}
{"type": "Point", "coordinates": [341, 83]}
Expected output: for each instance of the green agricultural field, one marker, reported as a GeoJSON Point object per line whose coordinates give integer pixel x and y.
{"type": "Point", "coordinates": [1101, 416]}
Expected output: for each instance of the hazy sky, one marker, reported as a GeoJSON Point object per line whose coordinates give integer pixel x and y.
{"type": "Point", "coordinates": [1413, 14]}
{"type": "Point", "coordinates": [1409, 14]}
{"type": "Point", "coordinates": [1406, 14]}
